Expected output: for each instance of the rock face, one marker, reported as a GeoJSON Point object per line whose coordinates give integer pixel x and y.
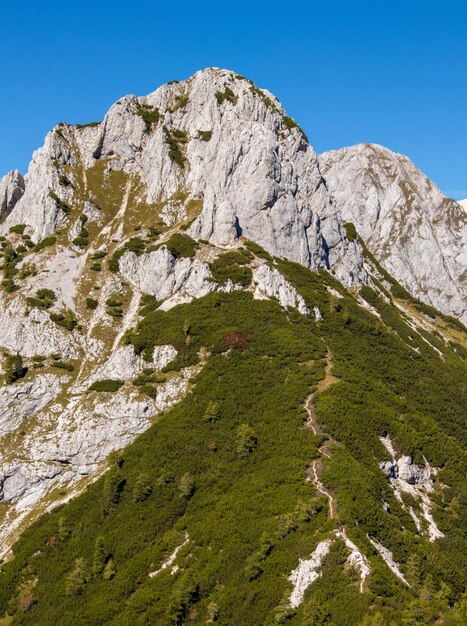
{"type": "Point", "coordinates": [11, 190]}
{"type": "Point", "coordinates": [232, 147]}
{"type": "Point", "coordinates": [418, 234]}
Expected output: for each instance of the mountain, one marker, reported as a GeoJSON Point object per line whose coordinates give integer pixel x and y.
{"type": "Point", "coordinates": [225, 402]}
{"type": "Point", "coordinates": [418, 234]}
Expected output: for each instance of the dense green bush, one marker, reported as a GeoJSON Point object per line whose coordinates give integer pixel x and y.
{"type": "Point", "coordinates": [18, 229]}
{"type": "Point", "coordinates": [205, 135]}
{"type": "Point", "coordinates": [45, 243]}
{"type": "Point", "coordinates": [227, 94]}
{"type": "Point", "coordinates": [82, 239]}
{"type": "Point", "coordinates": [106, 385]}
{"type": "Point", "coordinates": [290, 123]}
{"type": "Point", "coordinates": [174, 138]}
{"type": "Point", "coordinates": [181, 245]}
{"type": "Point", "coordinates": [92, 303]}
{"type": "Point", "coordinates": [63, 365]}
{"type": "Point", "coordinates": [14, 369]}
{"type": "Point", "coordinates": [232, 266]}
{"type": "Point", "coordinates": [149, 114]}
{"type": "Point", "coordinates": [60, 204]}
{"type": "Point", "coordinates": [66, 320]}
{"type": "Point", "coordinates": [350, 231]}
{"type": "Point", "coordinates": [44, 299]}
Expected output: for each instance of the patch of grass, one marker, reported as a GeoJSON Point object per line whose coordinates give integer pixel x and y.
{"type": "Point", "coordinates": [63, 365]}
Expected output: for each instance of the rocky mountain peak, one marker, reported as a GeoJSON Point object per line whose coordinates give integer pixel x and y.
{"type": "Point", "coordinates": [222, 142]}
{"type": "Point", "coordinates": [417, 233]}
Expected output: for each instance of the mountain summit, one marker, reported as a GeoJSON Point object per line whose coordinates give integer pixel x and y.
{"type": "Point", "coordinates": [227, 393]}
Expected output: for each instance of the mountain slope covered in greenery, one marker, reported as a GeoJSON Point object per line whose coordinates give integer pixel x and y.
{"type": "Point", "coordinates": [206, 515]}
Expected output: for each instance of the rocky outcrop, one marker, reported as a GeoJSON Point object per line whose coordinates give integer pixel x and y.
{"type": "Point", "coordinates": [20, 401]}
{"type": "Point", "coordinates": [406, 477]}
{"type": "Point", "coordinates": [418, 234]}
{"type": "Point", "coordinates": [11, 190]}
{"type": "Point", "coordinates": [271, 284]}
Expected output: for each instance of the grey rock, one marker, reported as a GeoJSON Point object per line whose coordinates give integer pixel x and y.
{"type": "Point", "coordinates": [416, 233]}
{"type": "Point", "coordinates": [11, 190]}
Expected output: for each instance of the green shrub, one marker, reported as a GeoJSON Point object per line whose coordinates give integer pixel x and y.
{"type": "Point", "coordinates": [18, 229]}
{"type": "Point", "coordinates": [290, 123]}
{"type": "Point", "coordinates": [350, 231]}
{"type": "Point", "coordinates": [149, 114]}
{"type": "Point", "coordinates": [173, 139]}
{"type": "Point", "coordinates": [63, 365]}
{"type": "Point", "coordinates": [76, 579]}
{"type": "Point", "coordinates": [181, 245]}
{"type": "Point", "coordinates": [88, 125]}
{"type": "Point", "coordinates": [113, 262]}
{"type": "Point", "coordinates": [14, 369]}
{"type": "Point", "coordinates": [45, 243]}
{"type": "Point", "coordinates": [213, 412]}
{"type": "Point", "coordinates": [44, 299]}
{"type": "Point", "coordinates": [246, 440]}
{"type": "Point", "coordinates": [65, 320]}
{"type": "Point", "coordinates": [82, 240]}
{"type": "Point", "coordinates": [205, 135]}
{"type": "Point", "coordinates": [60, 204]}
{"type": "Point", "coordinates": [92, 303]}
{"type": "Point", "coordinates": [95, 267]}
{"type": "Point", "coordinates": [147, 304]}
{"type": "Point", "coordinates": [232, 265]}
{"type": "Point", "coordinates": [99, 254]}
{"type": "Point", "coordinates": [257, 250]}
{"type": "Point", "coordinates": [136, 245]}
{"type": "Point", "coordinates": [107, 385]}
{"type": "Point", "coordinates": [142, 488]}
{"type": "Point", "coordinates": [227, 94]}
{"type": "Point", "coordinates": [186, 485]}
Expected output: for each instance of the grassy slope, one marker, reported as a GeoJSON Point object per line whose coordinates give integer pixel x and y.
{"type": "Point", "coordinates": [241, 502]}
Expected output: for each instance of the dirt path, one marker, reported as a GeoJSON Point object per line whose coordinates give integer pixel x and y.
{"type": "Point", "coordinates": [311, 423]}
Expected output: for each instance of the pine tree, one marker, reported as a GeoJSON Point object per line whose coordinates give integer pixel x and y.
{"type": "Point", "coordinates": [246, 440]}
{"type": "Point", "coordinates": [186, 485]}
{"type": "Point", "coordinates": [109, 570]}
{"type": "Point", "coordinates": [14, 368]}
{"type": "Point", "coordinates": [142, 488]}
{"type": "Point", "coordinates": [100, 557]}
{"type": "Point", "coordinates": [212, 413]}
{"type": "Point", "coordinates": [76, 579]}
{"type": "Point", "coordinates": [113, 485]}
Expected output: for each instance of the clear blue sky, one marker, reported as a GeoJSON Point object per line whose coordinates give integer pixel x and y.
{"type": "Point", "coordinates": [391, 72]}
